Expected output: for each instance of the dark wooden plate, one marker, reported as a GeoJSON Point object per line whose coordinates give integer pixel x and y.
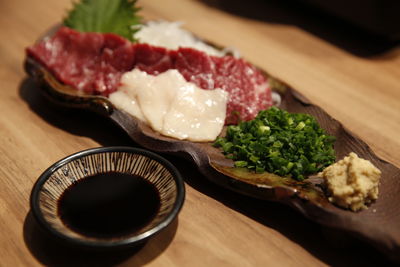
{"type": "Point", "coordinates": [379, 225]}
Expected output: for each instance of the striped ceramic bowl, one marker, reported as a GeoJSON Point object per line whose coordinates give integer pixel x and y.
{"type": "Point", "coordinates": [51, 185]}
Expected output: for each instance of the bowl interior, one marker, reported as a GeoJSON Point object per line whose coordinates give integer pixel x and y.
{"type": "Point", "coordinates": [52, 184]}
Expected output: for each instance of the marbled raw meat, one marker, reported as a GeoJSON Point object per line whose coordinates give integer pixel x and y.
{"type": "Point", "coordinates": [90, 62]}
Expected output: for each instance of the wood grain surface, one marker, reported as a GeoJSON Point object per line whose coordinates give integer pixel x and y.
{"type": "Point", "coordinates": [354, 78]}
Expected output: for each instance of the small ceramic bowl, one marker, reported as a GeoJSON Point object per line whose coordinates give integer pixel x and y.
{"type": "Point", "coordinates": [51, 185]}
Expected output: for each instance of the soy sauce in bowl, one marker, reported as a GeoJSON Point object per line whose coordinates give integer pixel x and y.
{"type": "Point", "coordinates": [107, 198]}
{"type": "Point", "coordinates": [108, 205]}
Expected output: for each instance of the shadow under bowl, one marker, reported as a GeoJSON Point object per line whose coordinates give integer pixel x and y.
{"type": "Point", "coordinates": [131, 162]}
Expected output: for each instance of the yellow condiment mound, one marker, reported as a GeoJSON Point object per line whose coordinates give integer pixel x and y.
{"type": "Point", "coordinates": [352, 182]}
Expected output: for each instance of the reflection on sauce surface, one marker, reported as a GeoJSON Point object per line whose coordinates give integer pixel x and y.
{"type": "Point", "coordinates": [109, 205]}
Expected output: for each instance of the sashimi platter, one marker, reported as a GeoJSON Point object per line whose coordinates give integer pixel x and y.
{"type": "Point", "coordinates": [173, 92]}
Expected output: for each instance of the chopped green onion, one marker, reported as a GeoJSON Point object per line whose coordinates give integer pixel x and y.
{"type": "Point", "coordinates": [276, 141]}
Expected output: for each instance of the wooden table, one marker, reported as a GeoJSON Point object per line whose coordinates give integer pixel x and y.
{"type": "Point", "coordinates": [215, 227]}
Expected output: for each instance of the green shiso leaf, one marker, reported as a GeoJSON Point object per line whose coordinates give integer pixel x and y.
{"type": "Point", "coordinates": [279, 142]}
{"type": "Point", "coordinates": [104, 16]}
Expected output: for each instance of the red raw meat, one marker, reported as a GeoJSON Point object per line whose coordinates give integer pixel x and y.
{"type": "Point", "coordinates": [92, 62]}
{"type": "Point", "coordinates": [197, 67]}
{"type": "Point", "coordinates": [95, 62]}
{"type": "Point", "coordinates": [152, 59]}
{"type": "Point", "coordinates": [247, 87]}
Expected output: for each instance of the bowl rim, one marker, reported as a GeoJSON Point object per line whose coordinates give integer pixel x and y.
{"type": "Point", "coordinates": [38, 215]}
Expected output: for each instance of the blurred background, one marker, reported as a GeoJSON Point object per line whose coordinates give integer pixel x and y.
{"type": "Point", "coordinates": [362, 27]}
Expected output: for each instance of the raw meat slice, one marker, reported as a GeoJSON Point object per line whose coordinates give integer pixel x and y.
{"type": "Point", "coordinates": [91, 62]}
{"type": "Point", "coordinates": [197, 115]}
{"type": "Point", "coordinates": [171, 105]}
{"type": "Point", "coordinates": [155, 94]}
{"type": "Point", "coordinates": [196, 67]}
{"type": "Point", "coordinates": [248, 89]}
{"type": "Point", "coordinates": [126, 101]}
{"type": "Point", "coordinates": [152, 59]}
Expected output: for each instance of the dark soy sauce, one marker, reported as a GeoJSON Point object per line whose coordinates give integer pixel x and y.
{"type": "Point", "coordinates": [109, 205]}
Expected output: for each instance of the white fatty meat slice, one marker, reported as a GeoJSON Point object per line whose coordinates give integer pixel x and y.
{"type": "Point", "coordinates": [195, 114]}
{"type": "Point", "coordinates": [124, 100]}
{"type": "Point", "coordinates": [171, 105]}
{"type": "Point", "coordinates": [155, 95]}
